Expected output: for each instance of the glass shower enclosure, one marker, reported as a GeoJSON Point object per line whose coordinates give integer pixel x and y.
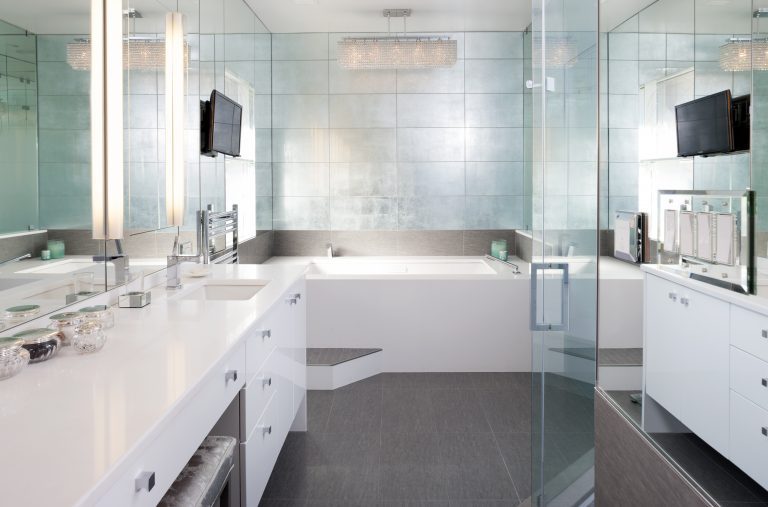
{"type": "Point", "coordinates": [564, 188]}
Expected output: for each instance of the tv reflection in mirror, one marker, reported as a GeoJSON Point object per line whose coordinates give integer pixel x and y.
{"type": "Point", "coordinates": [220, 120]}
{"type": "Point", "coordinates": [713, 125]}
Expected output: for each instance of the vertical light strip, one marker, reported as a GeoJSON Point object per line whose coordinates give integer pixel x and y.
{"type": "Point", "coordinates": [174, 119]}
{"type": "Point", "coordinates": [107, 118]}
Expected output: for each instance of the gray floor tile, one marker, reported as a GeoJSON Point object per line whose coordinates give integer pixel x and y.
{"type": "Point", "coordinates": [348, 449]}
{"type": "Point", "coordinates": [469, 449]}
{"type": "Point", "coordinates": [410, 449]}
{"type": "Point", "coordinates": [344, 483]}
{"type": "Point", "coordinates": [458, 410]}
{"type": "Point", "coordinates": [428, 380]}
{"type": "Point", "coordinates": [479, 481]}
{"type": "Point", "coordinates": [407, 410]}
{"type": "Point", "coordinates": [413, 503]}
{"type": "Point", "coordinates": [518, 381]}
{"type": "Point", "coordinates": [318, 409]}
{"type": "Point", "coordinates": [355, 411]}
{"type": "Point", "coordinates": [516, 451]}
{"type": "Point", "coordinates": [413, 482]}
{"type": "Point", "coordinates": [277, 502]}
{"type": "Point", "coordinates": [484, 503]}
{"type": "Point", "coordinates": [506, 411]}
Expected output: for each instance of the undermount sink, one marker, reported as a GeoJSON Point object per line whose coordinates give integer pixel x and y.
{"type": "Point", "coordinates": [225, 290]}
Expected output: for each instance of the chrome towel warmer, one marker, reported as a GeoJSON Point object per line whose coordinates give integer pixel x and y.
{"type": "Point", "coordinates": [215, 226]}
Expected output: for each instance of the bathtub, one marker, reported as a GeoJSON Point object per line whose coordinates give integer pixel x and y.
{"type": "Point", "coordinates": [428, 314]}
{"type": "Point", "coordinates": [424, 266]}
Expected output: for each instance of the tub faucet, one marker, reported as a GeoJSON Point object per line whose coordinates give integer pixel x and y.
{"type": "Point", "coordinates": [119, 260]}
{"type": "Point", "coordinates": [173, 269]}
{"type": "Point", "coordinates": [329, 250]}
{"type": "Point", "coordinates": [15, 259]}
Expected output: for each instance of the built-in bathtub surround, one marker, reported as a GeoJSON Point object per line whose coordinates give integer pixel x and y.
{"type": "Point", "coordinates": [398, 150]}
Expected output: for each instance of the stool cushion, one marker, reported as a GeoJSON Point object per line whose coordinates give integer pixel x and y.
{"type": "Point", "coordinates": [203, 479]}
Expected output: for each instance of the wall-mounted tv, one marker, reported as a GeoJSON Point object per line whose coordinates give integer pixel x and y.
{"type": "Point", "coordinates": [220, 120]}
{"type": "Point", "coordinates": [712, 125]}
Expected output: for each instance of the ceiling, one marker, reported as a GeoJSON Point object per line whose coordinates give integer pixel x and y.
{"type": "Point", "coordinates": [290, 16]}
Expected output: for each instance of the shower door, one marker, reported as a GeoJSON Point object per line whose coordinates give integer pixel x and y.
{"type": "Point", "coordinates": [564, 188]}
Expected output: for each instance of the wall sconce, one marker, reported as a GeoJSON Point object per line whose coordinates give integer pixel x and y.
{"type": "Point", "coordinates": [107, 118]}
{"type": "Point", "coordinates": [175, 178]}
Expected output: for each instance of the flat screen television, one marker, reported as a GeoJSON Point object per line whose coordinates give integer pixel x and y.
{"type": "Point", "coordinates": [712, 125]}
{"type": "Point", "coordinates": [220, 122]}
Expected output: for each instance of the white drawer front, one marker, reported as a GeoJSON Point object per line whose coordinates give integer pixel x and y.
{"type": "Point", "coordinates": [749, 438]}
{"type": "Point", "coordinates": [749, 332]}
{"type": "Point", "coordinates": [749, 377]}
{"type": "Point", "coordinates": [167, 455]}
{"type": "Point", "coordinates": [259, 454]}
{"type": "Point", "coordinates": [257, 393]}
{"type": "Point", "coordinates": [262, 340]}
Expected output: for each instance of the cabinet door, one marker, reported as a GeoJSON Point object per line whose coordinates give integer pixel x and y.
{"type": "Point", "coordinates": [749, 438]}
{"type": "Point", "coordinates": [687, 357]}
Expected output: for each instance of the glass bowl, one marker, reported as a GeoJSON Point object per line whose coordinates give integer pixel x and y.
{"type": "Point", "coordinates": [13, 357]}
{"type": "Point", "coordinates": [89, 337]}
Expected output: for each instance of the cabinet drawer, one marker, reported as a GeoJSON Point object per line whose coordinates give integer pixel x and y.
{"type": "Point", "coordinates": [749, 377]}
{"type": "Point", "coordinates": [257, 393]}
{"type": "Point", "coordinates": [749, 438]}
{"type": "Point", "coordinates": [749, 332]}
{"type": "Point", "coordinates": [259, 455]}
{"type": "Point", "coordinates": [169, 452]}
{"type": "Point", "coordinates": [260, 344]}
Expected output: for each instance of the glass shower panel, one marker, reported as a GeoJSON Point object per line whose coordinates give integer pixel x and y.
{"type": "Point", "coordinates": [565, 248]}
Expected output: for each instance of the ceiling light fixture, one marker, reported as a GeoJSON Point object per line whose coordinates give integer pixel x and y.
{"type": "Point", "coordinates": [397, 52]}
{"type": "Point", "coordinates": [139, 53]}
{"type": "Point", "coordinates": [742, 54]}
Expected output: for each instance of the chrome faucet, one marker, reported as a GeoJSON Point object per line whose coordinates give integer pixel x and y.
{"type": "Point", "coordinates": [15, 259]}
{"type": "Point", "coordinates": [329, 250]}
{"type": "Point", "coordinates": [173, 270]}
{"type": "Point", "coordinates": [120, 260]}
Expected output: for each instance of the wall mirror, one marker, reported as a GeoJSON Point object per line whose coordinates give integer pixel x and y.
{"type": "Point", "coordinates": [45, 138]}
{"type": "Point", "coordinates": [225, 48]}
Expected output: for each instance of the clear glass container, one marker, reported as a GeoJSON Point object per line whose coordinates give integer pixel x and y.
{"type": "Point", "coordinates": [42, 344]}
{"type": "Point", "coordinates": [99, 313]}
{"type": "Point", "coordinates": [89, 337]}
{"type": "Point", "coordinates": [13, 357]}
{"type": "Point", "coordinates": [21, 312]}
{"type": "Point", "coordinates": [65, 323]}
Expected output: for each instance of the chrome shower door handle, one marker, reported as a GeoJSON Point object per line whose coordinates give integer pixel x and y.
{"type": "Point", "coordinates": [549, 313]}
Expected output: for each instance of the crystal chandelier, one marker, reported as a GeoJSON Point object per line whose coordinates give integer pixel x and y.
{"type": "Point", "coordinates": [138, 54]}
{"type": "Point", "coordinates": [560, 52]}
{"type": "Point", "coordinates": [743, 54]}
{"type": "Point", "coordinates": [397, 52]}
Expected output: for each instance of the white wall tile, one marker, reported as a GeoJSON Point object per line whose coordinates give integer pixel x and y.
{"type": "Point", "coordinates": [430, 110]}
{"type": "Point", "coordinates": [363, 111]}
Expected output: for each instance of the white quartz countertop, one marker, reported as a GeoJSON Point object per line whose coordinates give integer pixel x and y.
{"type": "Point", "coordinates": [750, 302]}
{"type": "Point", "coordinates": [68, 424]}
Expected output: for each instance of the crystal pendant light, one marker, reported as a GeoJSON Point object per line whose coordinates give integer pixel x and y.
{"type": "Point", "coordinates": [397, 52]}
{"type": "Point", "coordinates": [743, 54]}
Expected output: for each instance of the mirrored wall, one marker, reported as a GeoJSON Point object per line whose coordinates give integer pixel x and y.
{"type": "Point", "coordinates": [47, 259]}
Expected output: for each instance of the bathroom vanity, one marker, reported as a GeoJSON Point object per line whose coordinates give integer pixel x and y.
{"type": "Point", "coordinates": [706, 364]}
{"type": "Point", "coordinates": [116, 428]}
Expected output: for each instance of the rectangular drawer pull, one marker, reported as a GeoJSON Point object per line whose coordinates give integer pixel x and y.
{"type": "Point", "coordinates": [266, 333]}
{"type": "Point", "coordinates": [765, 333]}
{"type": "Point", "coordinates": [145, 480]}
{"type": "Point", "coordinates": [765, 431]}
{"type": "Point", "coordinates": [765, 382]}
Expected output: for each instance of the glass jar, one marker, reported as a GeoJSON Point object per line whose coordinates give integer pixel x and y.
{"type": "Point", "coordinates": [99, 313]}
{"type": "Point", "coordinates": [21, 312]}
{"type": "Point", "coordinates": [65, 323]}
{"type": "Point", "coordinates": [89, 337]}
{"type": "Point", "coordinates": [13, 357]}
{"type": "Point", "coordinates": [42, 344]}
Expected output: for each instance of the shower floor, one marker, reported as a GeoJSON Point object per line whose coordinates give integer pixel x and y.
{"type": "Point", "coordinates": [439, 439]}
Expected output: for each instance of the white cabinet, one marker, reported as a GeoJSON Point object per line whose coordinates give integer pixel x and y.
{"type": "Point", "coordinates": [749, 377]}
{"type": "Point", "coordinates": [749, 438]}
{"type": "Point", "coordinates": [276, 387]}
{"type": "Point", "coordinates": [166, 456]}
{"type": "Point", "coordinates": [687, 357]}
{"type": "Point", "coordinates": [749, 332]}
